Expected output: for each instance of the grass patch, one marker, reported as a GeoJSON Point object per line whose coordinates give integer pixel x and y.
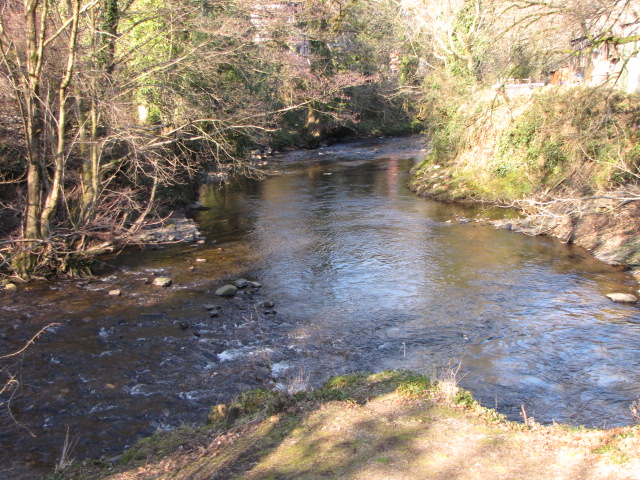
{"type": "Point", "coordinates": [357, 426]}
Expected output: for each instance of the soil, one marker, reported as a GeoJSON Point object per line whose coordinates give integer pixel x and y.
{"type": "Point", "coordinates": [393, 425]}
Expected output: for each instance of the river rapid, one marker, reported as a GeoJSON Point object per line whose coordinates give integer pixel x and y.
{"type": "Point", "coordinates": [363, 276]}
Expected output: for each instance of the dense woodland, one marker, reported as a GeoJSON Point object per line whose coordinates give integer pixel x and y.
{"type": "Point", "coordinates": [112, 109]}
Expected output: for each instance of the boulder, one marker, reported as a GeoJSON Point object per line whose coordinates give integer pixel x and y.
{"type": "Point", "coordinates": [115, 292]}
{"type": "Point", "coordinates": [12, 287]}
{"type": "Point", "coordinates": [227, 291]}
{"type": "Point", "coordinates": [622, 297]}
{"type": "Point", "coordinates": [162, 281]}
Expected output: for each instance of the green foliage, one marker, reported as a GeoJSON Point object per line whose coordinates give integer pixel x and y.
{"type": "Point", "coordinates": [440, 112]}
{"type": "Point", "coordinates": [414, 385]}
{"type": "Point", "coordinates": [558, 132]}
{"type": "Point", "coordinates": [579, 140]}
{"type": "Point", "coordinates": [464, 398]}
{"type": "Point", "coordinates": [260, 401]}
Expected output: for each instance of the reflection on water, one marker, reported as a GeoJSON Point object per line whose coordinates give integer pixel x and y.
{"type": "Point", "coordinates": [365, 276]}
{"type": "Point", "coordinates": [361, 260]}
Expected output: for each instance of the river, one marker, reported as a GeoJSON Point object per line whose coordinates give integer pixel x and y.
{"type": "Point", "coordinates": [364, 276]}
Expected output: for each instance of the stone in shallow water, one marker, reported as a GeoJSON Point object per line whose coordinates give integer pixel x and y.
{"type": "Point", "coordinates": [227, 291]}
{"type": "Point", "coordinates": [241, 283]}
{"type": "Point", "coordinates": [622, 297]}
{"type": "Point", "coordinates": [162, 281]}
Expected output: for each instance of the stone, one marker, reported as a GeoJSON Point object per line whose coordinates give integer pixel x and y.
{"type": "Point", "coordinates": [183, 325]}
{"type": "Point", "coordinates": [241, 283]}
{"type": "Point", "coordinates": [227, 291]}
{"type": "Point", "coordinates": [622, 297]}
{"type": "Point", "coordinates": [198, 206]}
{"type": "Point", "coordinates": [255, 284]}
{"type": "Point", "coordinates": [268, 304]}
{"type": "Point", "coordinates": [211, 307]}
{"type": "Point", "coordinates": [115, 292]}
{"type": "Point", "coordinates": [12, 287]}
{"type": "Point", "coordinates": [201, 260]}
{"type": "Point", "coordinates": [162, 281]}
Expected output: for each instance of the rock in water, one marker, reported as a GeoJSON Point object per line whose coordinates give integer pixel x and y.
{"type": "Point", "coordinates": [227, 291]}
{"type": "Point", "coordinates": [162, 281]}
{"type": "Point", "coordinates": [241, 283]}
{"type": "Point", "coordinates": [622, 297]}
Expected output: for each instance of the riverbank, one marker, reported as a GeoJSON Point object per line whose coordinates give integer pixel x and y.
{"type": "Point", "coordinates": [391, 425]}
{"type": "Point", "coordinates": [357, 273]}
{"type": "Point", "coordinates": [566, 158]}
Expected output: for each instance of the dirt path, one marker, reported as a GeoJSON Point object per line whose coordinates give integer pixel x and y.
{"type": "Point", "coordinates": [379, 427]}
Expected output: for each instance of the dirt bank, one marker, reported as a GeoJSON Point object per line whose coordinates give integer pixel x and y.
{"type": "Point", "coordinates": [392, 425]}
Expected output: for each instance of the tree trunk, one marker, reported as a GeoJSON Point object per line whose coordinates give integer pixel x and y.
{"type": "Point", "coordinates": [32, 117]}
{"type": "Point", "coordinates": [52, 199]}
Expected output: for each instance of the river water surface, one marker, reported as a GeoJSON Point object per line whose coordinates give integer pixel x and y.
{"type": "Point", "coordinates": [364, 276]}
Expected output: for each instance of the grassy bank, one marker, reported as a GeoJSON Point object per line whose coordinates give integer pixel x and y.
{"type": "Point", "coordinates": [555, 142]}
{"type": "Point", "coordinates": [387, 425]}
{"type": "Point", "coordinates": [567, 157]}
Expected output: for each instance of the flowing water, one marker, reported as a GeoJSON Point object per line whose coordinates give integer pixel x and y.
{"type": "Point", "coordinates": [364, 276]}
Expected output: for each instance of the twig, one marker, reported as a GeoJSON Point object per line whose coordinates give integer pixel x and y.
{"type": "Point", "coordinates": [31, 340]}
{"type": "Point", "coordinates": [524, 415]}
